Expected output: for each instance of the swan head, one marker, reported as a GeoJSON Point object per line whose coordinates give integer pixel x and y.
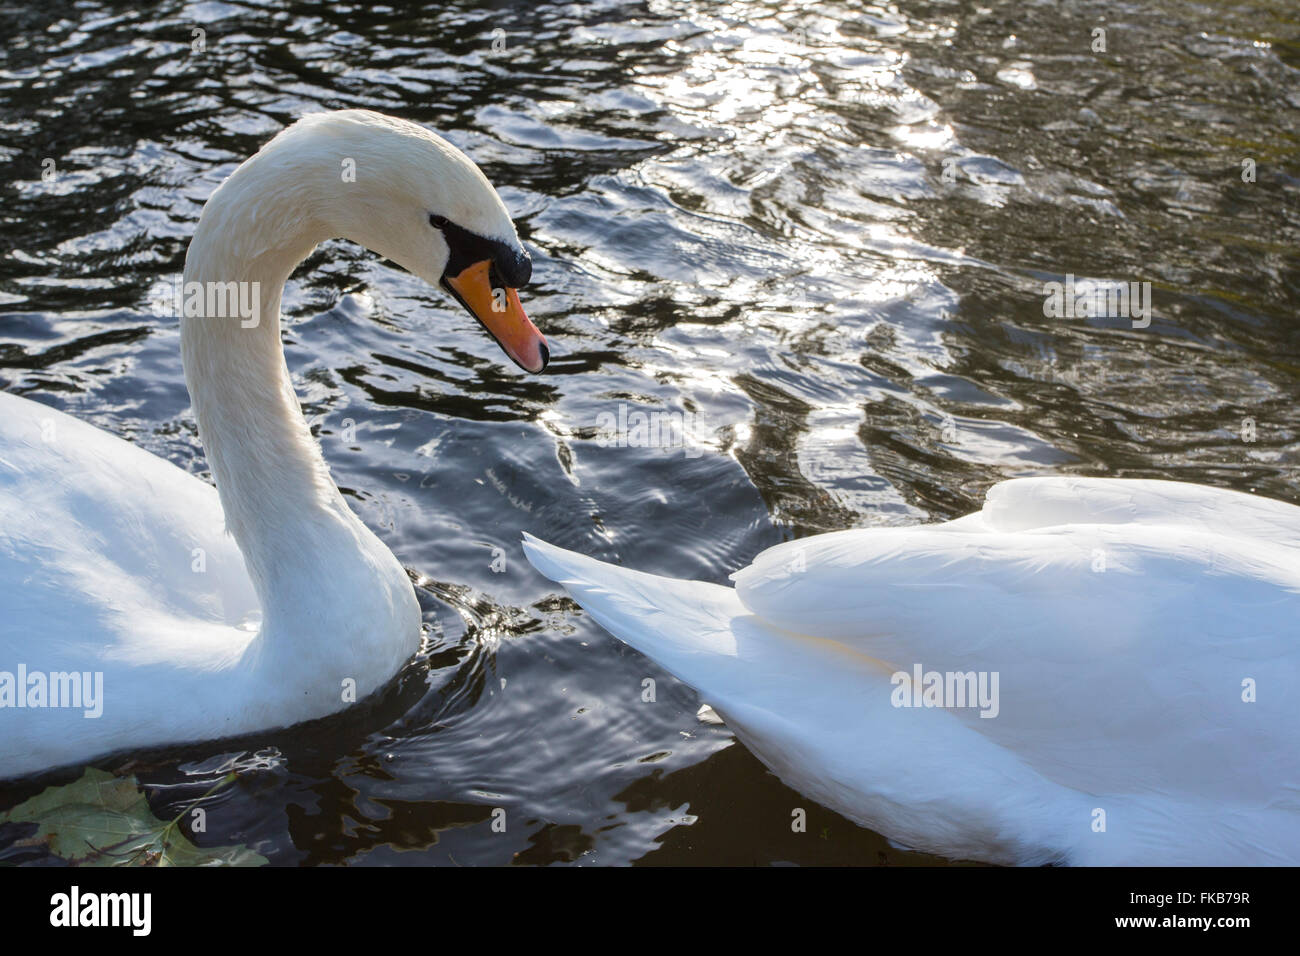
{"type": "Point", "coordinates": [414, 198]}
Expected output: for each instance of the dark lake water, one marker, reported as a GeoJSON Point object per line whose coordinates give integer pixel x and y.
{"type": "Point", "coordinates": [820, 234]}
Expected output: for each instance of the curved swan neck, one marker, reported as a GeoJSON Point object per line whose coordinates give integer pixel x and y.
{"type": "Point", "coordinates": [297, 535]}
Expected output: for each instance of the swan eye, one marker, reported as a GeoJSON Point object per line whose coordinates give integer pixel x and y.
{"type": "Point", "coordinates": [438, 222]}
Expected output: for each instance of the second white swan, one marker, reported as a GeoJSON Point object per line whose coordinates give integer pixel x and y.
{"type": "Point", "coordinates": [1086, 671]}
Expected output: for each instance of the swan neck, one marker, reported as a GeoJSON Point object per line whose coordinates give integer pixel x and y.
{"type": "Point", "coordinates": [279, 499]}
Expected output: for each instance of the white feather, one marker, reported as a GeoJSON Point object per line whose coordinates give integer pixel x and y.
{"type": "Point", "coordinates": [115, 562]}
{"type": "Point", "coordinates": [1124, 620]}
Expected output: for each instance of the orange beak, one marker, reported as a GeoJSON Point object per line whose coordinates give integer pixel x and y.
{"type": "Point", "coordinates": [499, 311]}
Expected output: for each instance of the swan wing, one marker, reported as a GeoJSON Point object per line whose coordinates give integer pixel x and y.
{"type": "Point", "coordinates": [107, 551]}
{"type": "Point", "coordinates": [1131, 629]}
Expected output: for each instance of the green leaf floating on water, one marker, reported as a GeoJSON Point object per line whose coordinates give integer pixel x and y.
{"type": "Point", "coordinates": [103, 820]}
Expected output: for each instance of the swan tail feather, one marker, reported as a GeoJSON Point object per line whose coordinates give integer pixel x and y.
{"type": "Point", "coordinates": [680, 624]}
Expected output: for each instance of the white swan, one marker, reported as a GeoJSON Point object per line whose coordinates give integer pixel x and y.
{"type": "Point", "coordinates": [114, 562]}
{"type": "Point", "coordinates": [1144, 635]}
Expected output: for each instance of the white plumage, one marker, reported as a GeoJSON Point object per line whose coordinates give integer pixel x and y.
{"type": "Point", "coordinates": [115, 562]}
{"type": "Point", "coordinates": [1143, 634]}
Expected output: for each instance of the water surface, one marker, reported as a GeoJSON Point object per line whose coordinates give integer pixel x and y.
{"type": "Point", "coordinates": [819, 236]}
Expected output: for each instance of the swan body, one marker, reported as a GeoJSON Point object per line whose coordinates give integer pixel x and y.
{"type": "Point", "coordinates": [1143, 637]}
{"type": "Point", "coordinates": [191, 612]}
